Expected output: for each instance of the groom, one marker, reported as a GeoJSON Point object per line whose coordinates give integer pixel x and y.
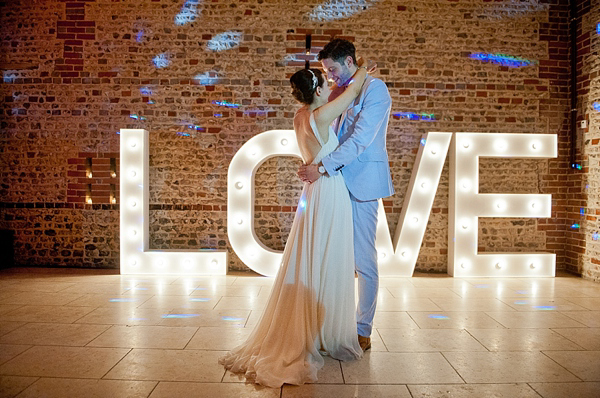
{"type": "Point", "coordinates": [362, 159]}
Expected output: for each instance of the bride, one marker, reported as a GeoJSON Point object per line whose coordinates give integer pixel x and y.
{"type": "Point", "coordinates": [311, 310]}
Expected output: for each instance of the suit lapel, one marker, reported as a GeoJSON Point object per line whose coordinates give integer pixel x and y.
{"type": "Point", "coordinates": [340, 125]}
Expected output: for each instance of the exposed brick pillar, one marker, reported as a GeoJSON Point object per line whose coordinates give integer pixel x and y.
{"type": "Point", "coordinates": [74, 30]}
{"type": "Point", "coordinates": [94, 178]}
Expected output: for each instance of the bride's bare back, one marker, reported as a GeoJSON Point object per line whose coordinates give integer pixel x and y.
{"type": "Point", "coordinates": [307, 142]}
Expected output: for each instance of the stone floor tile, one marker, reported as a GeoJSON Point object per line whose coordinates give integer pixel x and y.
{"type": "Point", "coordinates": [507, 367]}
{"type": "Point", "coordinates": [169, 365]}
{"type": "Point", "coordinates": [60, 361]}
{"type": "Point", "coordinates": [563, 390]}
{"type": "Point", "coordinates": [523, 339]}
{"type": "Point", "coordinates": [145, 337]}
{"type": "Point", "coordinates": [88, 388]}
{"type": "Point", "coordinates": [345, 391]}
{"type": "Point", "coordinates": [424, 340]}
{"type": "Point", "coordinates": [63, 334]}
{"type": "Point", "coordinates": [521, 390]}
{"type": "Point", "coordinates": [11, 386]}
{"type": "Point", "coordinates": [454, 320]}
{"type": "Point", "coordinates": [583, 364]}
{"type": "Point", "coordinates": [213, 390]}
{"type": "Point", "coordinates": [400, 368]}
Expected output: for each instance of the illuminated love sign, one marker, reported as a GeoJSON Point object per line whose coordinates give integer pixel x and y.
{"type": "Point", "coordinates": [397, 258]}
{"type": "Point", "coordinates": [136, 256]}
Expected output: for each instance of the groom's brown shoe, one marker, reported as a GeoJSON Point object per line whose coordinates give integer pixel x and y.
{"type": "Point", "coordinates": [364, 342]}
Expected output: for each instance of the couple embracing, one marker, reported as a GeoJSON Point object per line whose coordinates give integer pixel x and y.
{"type": "Point", "coordinates": [311, 312]}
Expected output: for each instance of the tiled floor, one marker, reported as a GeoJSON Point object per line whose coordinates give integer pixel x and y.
{"type": "Point", "coordinates": [97, 334]}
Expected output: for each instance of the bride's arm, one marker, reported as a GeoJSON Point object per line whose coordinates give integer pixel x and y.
{"type": "Point", "coordinates": [326, 114]}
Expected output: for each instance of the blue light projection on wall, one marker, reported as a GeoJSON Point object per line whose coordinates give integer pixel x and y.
{"type": "Point", "coordinates": [427, 117]}
{"type": "Point", "coordinates": [207, 78]}
{"type": "Point", "coordinates": [334, 9]}
{"type": "Point", "coordinates": [193, 127]}
{"type": "Point", "coordinates": [257, 112]}
{"type": "Point", "coordinates": [598, 28]}
{"type": "Point", "coordinates": [502, 59]}
{"type": "Point", "coordinates": [161, 60]}
{"type": "Point", "coordinates": [596, 106]}
{"type": "Point", "coordinates": [226, 104]}
{"type": "Point", "coordinates": [8, 77]}
{"type": "Point", "coordinates": [595, 236]}
{"type": "Point", "coordinates": [188, 13]}
{"type": "Point", "coordinates": [137, 117]}
{"type": "Point", "coordinates": [575, 226]}
{"type": "Point", "coordinates": [139, 36]}
{"type": "Point", "coordinates": [224, 41]}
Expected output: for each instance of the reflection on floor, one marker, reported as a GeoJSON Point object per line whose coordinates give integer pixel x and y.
{"type": "Point", "coordinates": [94, 333]}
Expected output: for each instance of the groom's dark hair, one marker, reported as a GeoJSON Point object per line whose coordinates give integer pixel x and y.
{"type": "Point", "coordinates": [338, 50]}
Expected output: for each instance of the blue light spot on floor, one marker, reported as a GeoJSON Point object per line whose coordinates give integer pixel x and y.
{"type": "Point", "coordinates": [168, 316]}
{"type": "Point", "coordinates": [123, 300]}
{"type": "Point", "coordinates": [438, 316]}
{"type": "Point", "coordinates": [521, 302]}
{"type": "Point", "coordinates": [545, 307]}
{"type": "Point", "coordinates": [232, 318]}
{"type": "Point", "coordinates": [201, 299]}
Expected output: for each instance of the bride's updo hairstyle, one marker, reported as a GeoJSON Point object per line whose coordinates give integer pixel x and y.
{"type": "Point", "coordinates": [304, 84]}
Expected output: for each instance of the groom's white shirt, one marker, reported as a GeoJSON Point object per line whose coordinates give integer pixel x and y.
{"type": "Point", "coordinates": [361, 156]}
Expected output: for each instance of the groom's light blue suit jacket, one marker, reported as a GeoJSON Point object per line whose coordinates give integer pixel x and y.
{"type": "Point", "coordinates": [361, 156]}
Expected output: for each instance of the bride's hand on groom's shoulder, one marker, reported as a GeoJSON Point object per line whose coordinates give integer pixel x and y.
{"type": "Point", "coordinates": [370, 65]}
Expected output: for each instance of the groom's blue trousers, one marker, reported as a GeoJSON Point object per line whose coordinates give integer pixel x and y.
{"type": "Point", "coordinates": [364, 215]}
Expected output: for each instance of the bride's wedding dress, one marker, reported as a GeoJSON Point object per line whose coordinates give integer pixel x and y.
{"type": "Point", "coordinates": [311, 309]}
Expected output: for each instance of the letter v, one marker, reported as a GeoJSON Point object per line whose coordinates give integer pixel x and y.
{"type": "Point", "coordinates": [400, 258]}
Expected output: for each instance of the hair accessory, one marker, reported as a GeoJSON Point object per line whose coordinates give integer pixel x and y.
{"type": "Point", "coordinates": [314, 78]}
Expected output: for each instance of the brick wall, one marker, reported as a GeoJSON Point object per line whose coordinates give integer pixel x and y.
{"type": "Point", "coordinates": [584, 208]}
{"type": "Point", "coordinates": [75, 72]}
